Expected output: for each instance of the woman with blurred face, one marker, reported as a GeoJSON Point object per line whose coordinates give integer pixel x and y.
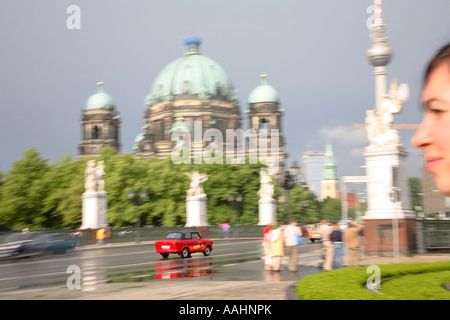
{"type": "Point", "coordinates": [433, 135]}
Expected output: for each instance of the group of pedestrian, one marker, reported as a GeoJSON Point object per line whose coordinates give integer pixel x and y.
{"type": "Point", "coordinates": [277, 238]}
{"type": "Point", "coordinates": [334, 240]}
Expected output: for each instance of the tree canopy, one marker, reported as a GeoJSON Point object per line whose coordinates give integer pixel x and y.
{"type": "Point", "coordinates": [38, 194]}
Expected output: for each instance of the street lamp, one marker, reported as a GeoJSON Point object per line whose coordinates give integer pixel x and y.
{"type": "Point", "coordinates": [395, 197]}
{"type": "Point", "coordinates": [235, 202]}
{"type": "Point", "coordinates": [137, 201]}
{"type": "Point", "coordinates": [287, 184]}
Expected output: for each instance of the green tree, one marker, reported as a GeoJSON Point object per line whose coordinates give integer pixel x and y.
{"type": "Point", "coordinates": [36, 194]}
{"type": "Point", "coordinates": [22, 193]}
{"type": "Point", "coordinates": [331, 209]}
{"type": "Point", "coordinates": [62, 185]}
{"type": "Point", "coordinates": [415, 187]}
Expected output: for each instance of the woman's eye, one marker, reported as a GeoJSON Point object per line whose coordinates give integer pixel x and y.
{"type": "Point", "coordinates": [437, 112]}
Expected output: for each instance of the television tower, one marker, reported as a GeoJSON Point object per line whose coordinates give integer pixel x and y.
{"type": "Point", "coordinates": [379, 53]}
{"type": "Point", "coordinates": [388, 202]}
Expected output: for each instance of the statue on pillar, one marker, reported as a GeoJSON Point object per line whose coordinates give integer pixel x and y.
{"type": "Point", "coordinates": [95, 205]}
{"type": "Point", "coordinates": [195, 187]}
{"type": "Point", "coordinates": [94, 177]}
{"type": "Point", "coordinates": [196, 208]}
{"type": "Point", "coordinates": [379, 121]}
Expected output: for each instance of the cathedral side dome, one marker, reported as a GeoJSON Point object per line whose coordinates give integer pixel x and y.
{"type": "Point", "coordinates": [99, 100]}
{"type": "Point", "coordinates": [100, 122]}
{"type": "Point", "coordinates": [263, 93]}
{"type": "Point", "coordinates": [191, 76]}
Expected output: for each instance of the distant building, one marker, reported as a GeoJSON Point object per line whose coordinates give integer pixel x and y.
{"type": "Point", "coordinates": [433, 200]}
{"type": "Point", "coordinates": [312, 164]}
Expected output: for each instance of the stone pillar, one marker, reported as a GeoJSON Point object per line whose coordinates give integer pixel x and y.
{"type": "Point", "coordinates": [196, 211]}
{"type": "Point", "coordinates": [388, 199]}
{"type": "Point", "coordinates": [95, 207]}
{"type": "Point", "coordinates": [267, 211]}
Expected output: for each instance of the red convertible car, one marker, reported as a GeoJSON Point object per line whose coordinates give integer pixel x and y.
{"type": "Point", "coordinates": [183, 243]}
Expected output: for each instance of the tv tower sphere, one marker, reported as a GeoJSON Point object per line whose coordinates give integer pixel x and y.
{"type": "Point", "coordinates": [379, 53]}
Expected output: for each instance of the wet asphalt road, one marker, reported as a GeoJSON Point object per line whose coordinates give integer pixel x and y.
{"type": "Point", "coordinates": [231, 260]}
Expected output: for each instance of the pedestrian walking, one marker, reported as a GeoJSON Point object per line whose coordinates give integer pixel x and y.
{"type": "Point", "coordinates": [276, 246]}
{"type": "Point", "coordinates": [266, 247]}
{"type": "Point", "coordinates": [327, 246]}
{"type": "Point", "coordinates": [100, 236]}
{"type": "Point", "coordinates": [291, 233]}
{"type": "Point", "coordinates": [434, 131]}
{"type": "Point", "coordinates": [225, 229]}
{"type": "Point", "coordinates": [338, 245]}
{"type": "Point", "coordinates": [352, 243]}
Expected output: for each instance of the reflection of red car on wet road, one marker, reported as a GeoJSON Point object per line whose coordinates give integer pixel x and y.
{"type": "Point", "coordinates": [183, 243]}
{"type": "Point", "coordinates": [186, 268]}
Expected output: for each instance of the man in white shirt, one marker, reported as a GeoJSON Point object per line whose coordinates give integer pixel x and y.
{"type": "Point", "coordinates": [290, 240]}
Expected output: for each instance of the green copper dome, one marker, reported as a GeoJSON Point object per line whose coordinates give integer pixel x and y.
{"type": "Point", "coordinates": [191, 76]}
{"type": "Point", "coordinates": [99, 100]}
{"type": "Point", "coordinates": [263, 93]}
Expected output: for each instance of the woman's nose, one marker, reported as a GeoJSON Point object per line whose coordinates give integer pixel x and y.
{"type": "Point", "coordinates": [423, 135]}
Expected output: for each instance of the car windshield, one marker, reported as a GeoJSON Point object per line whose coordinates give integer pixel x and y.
{"type": "Point", "coordinates": [173, 235]}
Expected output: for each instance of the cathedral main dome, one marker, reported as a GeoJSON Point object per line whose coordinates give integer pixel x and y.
{"type": "Point", "coordinates": [189, 91]}
{"type": "Point", "coordinates": [191, 76]}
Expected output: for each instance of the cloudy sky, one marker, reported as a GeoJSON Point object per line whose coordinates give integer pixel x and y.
{"type": "Point", "coordinates": [312, 50]}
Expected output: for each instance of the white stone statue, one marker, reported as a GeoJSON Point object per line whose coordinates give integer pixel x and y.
{"type": "Point", "coordinates": [94, 177]}
{"type": "Point", "coordinates": [100, 176]}
{"type": "Point", "coordinates": [195, 188]}
{"type": "Point", "coordinates": [89, 177]}
{"type": "Point", "coordinates": [379, 121]}
{"type": "Point", "coordinates": [266, 187]}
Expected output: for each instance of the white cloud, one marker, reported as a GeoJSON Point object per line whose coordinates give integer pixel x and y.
{"type": "Point", "coordinates": [345, 135]}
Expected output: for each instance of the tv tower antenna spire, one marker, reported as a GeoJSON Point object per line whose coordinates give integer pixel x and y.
{"type": "Point", "coordinates": [378, 12]}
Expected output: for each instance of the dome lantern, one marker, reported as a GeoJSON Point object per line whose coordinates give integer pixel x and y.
{"type": "Point", "coordinates": [192, 45]}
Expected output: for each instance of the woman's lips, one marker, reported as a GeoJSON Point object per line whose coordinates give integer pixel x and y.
{"type": "Point", "coordinates": [432, 162]}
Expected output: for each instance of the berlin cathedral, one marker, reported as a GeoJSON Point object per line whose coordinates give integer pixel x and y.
{"type": "Point", "coordinates": [191, 88]}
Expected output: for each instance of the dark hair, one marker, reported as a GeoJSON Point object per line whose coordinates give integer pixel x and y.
{"type": "Point", "coordinates": [442, 56]}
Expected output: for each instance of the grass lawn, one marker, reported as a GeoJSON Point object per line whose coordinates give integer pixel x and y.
{"type": "Point", "coordinates": [403, 281]}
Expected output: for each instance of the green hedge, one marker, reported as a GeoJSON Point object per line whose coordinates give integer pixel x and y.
{"type": "Point", "coordinates": [404, 281]}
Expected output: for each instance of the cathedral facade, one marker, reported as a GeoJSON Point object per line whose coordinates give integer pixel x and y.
{"type": "Point", "coordinates": [191, 90]}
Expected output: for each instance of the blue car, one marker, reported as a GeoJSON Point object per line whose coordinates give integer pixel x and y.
{"type": "Point", "coordinates": [29, 244]}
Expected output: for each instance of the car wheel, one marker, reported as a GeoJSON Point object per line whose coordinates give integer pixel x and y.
{"type": "Point", "coordinates": [207, 251]}
{"type": "Point", "coordinates": [165, 255]}
{"type": "Point", "coordinates": [185, 253]}
{"type": "Point", "coordinates": [312, 240]}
